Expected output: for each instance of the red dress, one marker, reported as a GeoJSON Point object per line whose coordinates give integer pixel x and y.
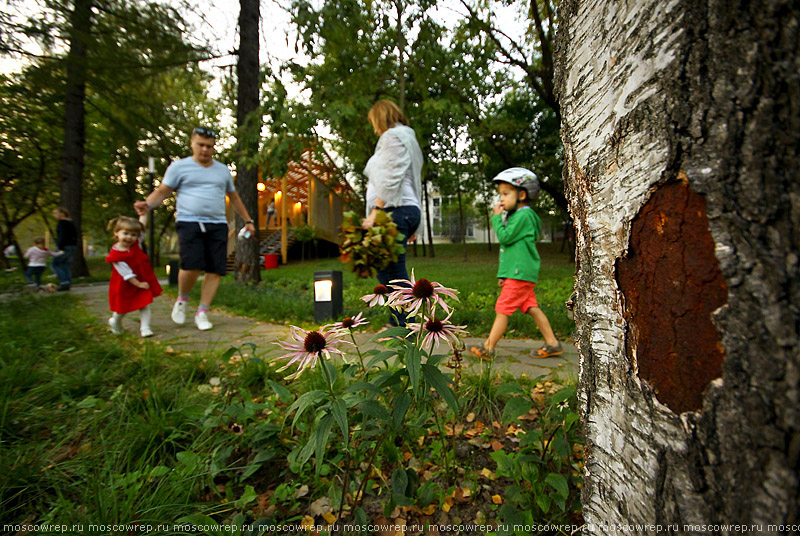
{"type": "Point", "coordinates": [123, 296]}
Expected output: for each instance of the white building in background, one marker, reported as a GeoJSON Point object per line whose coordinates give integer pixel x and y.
{"type": "Point", "coordinates": [443, 212]}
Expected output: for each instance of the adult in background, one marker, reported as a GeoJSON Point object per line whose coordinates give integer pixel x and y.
{"type": "Point", "coordinates": [395, 183]}
{"type": "Point", "coordinates": [67, 242]}
{"type": "Point", "coordinates": [202, 184]}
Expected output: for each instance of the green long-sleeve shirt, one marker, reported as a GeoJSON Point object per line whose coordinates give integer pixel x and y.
{"type": "Point", "coordinates": [519, 258]}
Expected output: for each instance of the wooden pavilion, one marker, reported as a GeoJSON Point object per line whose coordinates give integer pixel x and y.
{"type": "Point", "coordinates": [313, 192]}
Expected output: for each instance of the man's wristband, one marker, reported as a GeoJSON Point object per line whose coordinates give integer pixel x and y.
{"type": "Point", "coordinates": [249, 221]}
{"type": "Point", "coordinates": [375, 207]}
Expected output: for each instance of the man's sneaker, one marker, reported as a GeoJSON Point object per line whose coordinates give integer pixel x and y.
{"type": "Point", "coordinates": [115, 325]}
{"type": "Point", "coordinates": [179, 312]}
{"type": "Point", "coordinates": [201, 320]}
{"type": "Point", "coordinates": [146, 332]}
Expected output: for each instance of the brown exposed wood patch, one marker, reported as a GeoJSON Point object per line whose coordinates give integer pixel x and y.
{"type": "Point", "coordinates": [672, 284]}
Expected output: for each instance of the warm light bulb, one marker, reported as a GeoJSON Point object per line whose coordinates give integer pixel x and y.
{"type": "Point", "coordinates": [322, 290]}
{"type": "Point", "coordinates": [261, 187]}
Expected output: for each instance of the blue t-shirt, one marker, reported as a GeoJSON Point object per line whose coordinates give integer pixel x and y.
{"type": "Point", "coordinates": [201, 190]}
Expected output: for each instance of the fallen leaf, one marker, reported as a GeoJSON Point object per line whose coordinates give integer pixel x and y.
{"type": "Point", "coordinates": [448, 503]}
{"type": "Point", "coordinates": [329, 517]}
{"type": "Point", "coordinates": [407, 456]}
{"type": "Point", "coordinates": [487, 473]}
{"type": "Point", "coordinates": [301, 492]}
{"type": "Point", "coordinates": [429, 510]}
{"type": "Point", "coordinates": [496, 445]}
{"type": "Point", "coordinates": [307, 522]}
{"type": "Point", "coordinates": [497, 499]}
{"type": "Point", "coordinates": [319, 507]}
{"type": "Point", "coordinates": [470, 417]}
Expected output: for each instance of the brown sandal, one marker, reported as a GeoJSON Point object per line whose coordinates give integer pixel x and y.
{"type": "Point", "coordinates": [548, 351]}
{"type": "Point", "coordinates": [481, 352]}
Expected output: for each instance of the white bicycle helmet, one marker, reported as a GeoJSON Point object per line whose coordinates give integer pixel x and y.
{"type": "Point", "coordinates": [520, 178]}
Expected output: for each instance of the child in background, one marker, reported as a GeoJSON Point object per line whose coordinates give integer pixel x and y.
{"type": "Point", "coordinates": [133, 284]}
{"type": "Point", "coordinates": [519, 261]}
{"type": "Point", "coordinates": [37, 256]}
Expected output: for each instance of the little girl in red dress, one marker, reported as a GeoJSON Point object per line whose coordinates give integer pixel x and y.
{"type": "Point", "coordinates": [133, 284]}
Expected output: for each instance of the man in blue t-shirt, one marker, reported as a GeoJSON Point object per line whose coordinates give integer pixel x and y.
{"type": "Point", "coordinates": [202, 184]}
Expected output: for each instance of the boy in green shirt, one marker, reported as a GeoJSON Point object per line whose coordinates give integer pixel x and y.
{"type": "Point", "coordinates": [519, 261]}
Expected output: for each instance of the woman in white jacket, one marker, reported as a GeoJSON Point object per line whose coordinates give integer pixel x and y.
{"type": "Point", "coordinates": [395, 182]}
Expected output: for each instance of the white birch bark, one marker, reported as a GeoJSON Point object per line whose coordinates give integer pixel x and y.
{"type": "Point", "coordinates": [658, 91]}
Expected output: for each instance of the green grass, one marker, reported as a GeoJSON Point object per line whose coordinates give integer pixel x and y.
{"type": "Point", "coordinates": [87, 423]}
{"type": "Point", "coordinates": [285, 295]}
{"type": "Point", "coordinates": [12, 279]}
{"type": "Point", "coordinates": [97, 429]}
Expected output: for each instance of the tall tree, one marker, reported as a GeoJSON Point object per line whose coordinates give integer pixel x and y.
{"type": "Point", "coordinates": [249, 129]}
{"type": "Point", "coordinates": [73, 152]}
{"type": "Point", "coordinates": [681, 133]}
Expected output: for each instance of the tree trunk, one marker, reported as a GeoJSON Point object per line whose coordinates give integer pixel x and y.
{"type": "Point", "coordinates": [428, 222]}
{"type": "Point", "coordinates": [681, 132]}
{"type": "Point", "coordinates": [247, 265]}
{"type": "Point", "coordinates": [72, 158]}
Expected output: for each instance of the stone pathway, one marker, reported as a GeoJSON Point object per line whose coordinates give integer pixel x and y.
{"type": "Point", "coordinates": [513, 355]}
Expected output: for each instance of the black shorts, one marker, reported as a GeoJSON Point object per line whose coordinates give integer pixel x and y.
{"type": "Point", "coordinates": [206, 251]}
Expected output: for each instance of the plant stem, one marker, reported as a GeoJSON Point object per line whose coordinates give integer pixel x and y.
{"type": "Point", "coordinates": [360, 357]}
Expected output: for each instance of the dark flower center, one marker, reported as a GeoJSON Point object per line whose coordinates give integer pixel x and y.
{"type": "Point", "coordinates": [314, 342]}
{"type": "Point", "coordinates": [422, 289]}
{"type": "Point", "coordinates": [348, 323]}
{"type": "Point", "coordinates": [434, 326]}
{"type": "Point", "coordinates": [380, 289]}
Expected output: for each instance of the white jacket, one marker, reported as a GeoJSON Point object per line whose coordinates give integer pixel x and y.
{"type": "Point", "coordinates": [395, 170]}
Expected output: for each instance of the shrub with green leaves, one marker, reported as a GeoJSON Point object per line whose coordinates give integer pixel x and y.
{"type": "Point", "coordinates": [368, 251]}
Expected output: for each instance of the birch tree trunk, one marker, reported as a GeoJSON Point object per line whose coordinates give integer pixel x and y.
{"type": "Point", "coordinates": [681, 130]}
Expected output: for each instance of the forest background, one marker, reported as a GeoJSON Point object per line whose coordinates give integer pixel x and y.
{"type": "Point", "coordinates": [475, 80]}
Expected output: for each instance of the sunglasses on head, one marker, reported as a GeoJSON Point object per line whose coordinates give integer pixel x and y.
{"type": "Point", "coordinates": [205, 132]}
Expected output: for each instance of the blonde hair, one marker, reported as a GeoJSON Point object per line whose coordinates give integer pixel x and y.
{"type": "Point", "coordinates": [63, 211]}
{"type": "Point", "coordinates": [384, 114]}
{"type": "Point", "coordinates": [126, 223]}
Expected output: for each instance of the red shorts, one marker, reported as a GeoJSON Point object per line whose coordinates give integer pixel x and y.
{"type": "Point", "coordinates": [516, 295]}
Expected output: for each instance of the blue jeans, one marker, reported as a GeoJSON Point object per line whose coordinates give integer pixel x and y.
{"type": "Point", "coordinates": [33, 275]}
{"type": "Point", "coordinates": [407, 220]}
{"type": "Point", "coordinates": [60, 265]}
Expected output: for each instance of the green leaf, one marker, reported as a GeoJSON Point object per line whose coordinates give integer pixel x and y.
{"type": "Point", "coordinates": [375, 409]}
{"type": "Point", "coordinates": [441, 383]}
{"type": "Point", "coordinates": [321, 433]}
{"type": "Point", "coordinates": [515, 407]}
{"type": "Point", "coordinates": [340, 414]}
{"type": "Point", "coordinates": [381, 357]}
{"type": "Point", "coordinates": [401, 405]}
{"type": "Point", "coordinates": [511, 388]}
{"type": "Point", "coordinates": [247, 497]}
{"type": "Point", "coordinates": [399, 486]}
{"type": "Point", "coordinates": [305, 401]}
{"type": "Point", "coordinates": [396, 331]}
{"type": "Point", "coordinates": [413, 363]}
{"type": "Point", "coordinates": [511, 516]}
{"type": "Point", "coordinates": [284, 394]}
{"type": "Point", "coordinates": [227, 354]}
{"type": "Point", "coordinates": [159, 470]}
{"type": "Point", "coordinates": [506, 465]}
{"type": "Point", "coordinates": [258, 461]}
{"type": "Point", "coordinates": [357, 387]}
{"type": "Point", "coordinates": [559, 483]}
{"type": "Point", "coordinates": [188, 459]}
{"type": "Point", "coordinates": [544, 502]}
{"type": "Point", "coordinates": [564, 394]}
